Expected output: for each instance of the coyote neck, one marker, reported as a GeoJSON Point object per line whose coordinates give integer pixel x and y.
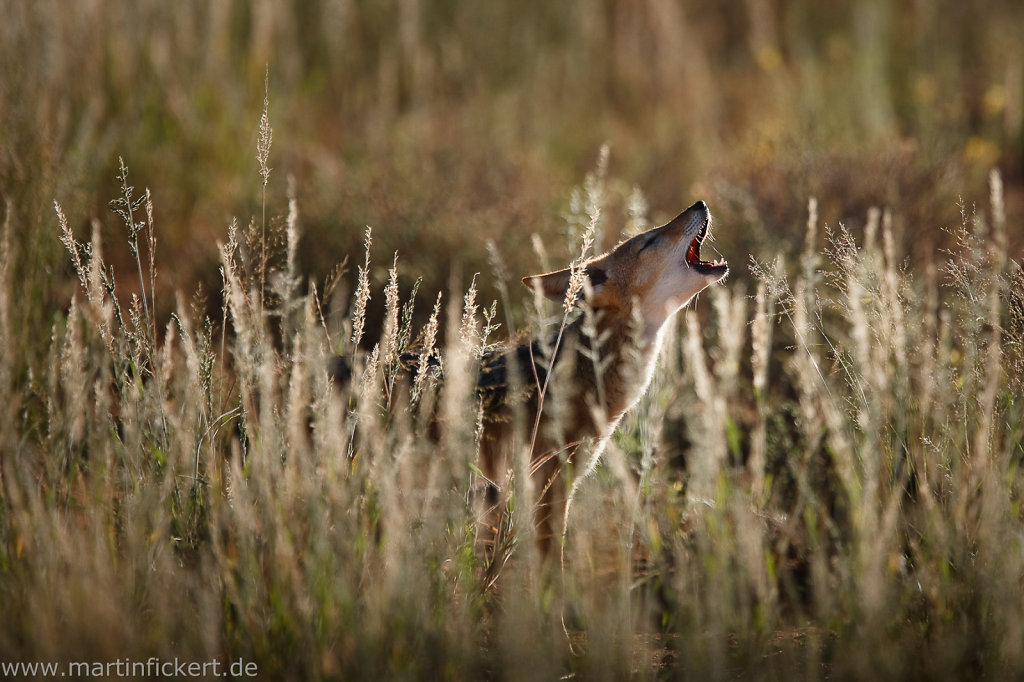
{"type": "Point", "coordinates": [600, 371]}
{"type": "Point", "coordinates": [610, 365]}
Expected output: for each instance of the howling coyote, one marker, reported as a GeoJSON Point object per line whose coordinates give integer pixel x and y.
{"type": "Point", "coordinates": [601, 365]}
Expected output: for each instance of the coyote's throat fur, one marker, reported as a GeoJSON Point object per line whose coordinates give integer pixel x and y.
{"type": "Point", "coordinates": [602, 362]}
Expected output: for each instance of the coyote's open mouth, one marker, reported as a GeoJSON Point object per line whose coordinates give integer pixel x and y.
{"type": "Point", "coordinates": [718, 267]}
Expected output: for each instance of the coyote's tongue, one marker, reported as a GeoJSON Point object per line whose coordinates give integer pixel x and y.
{"type": "Point", "coordinates": [693, 253]}
{"type": "Point", "coordinates": [694, 261]}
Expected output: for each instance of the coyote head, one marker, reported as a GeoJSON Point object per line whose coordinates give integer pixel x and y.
{"type": "Point", "coordinates": [653, 274]}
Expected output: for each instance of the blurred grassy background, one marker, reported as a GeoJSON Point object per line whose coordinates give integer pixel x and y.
{"type": "Point", "coordinates": [443, 124]}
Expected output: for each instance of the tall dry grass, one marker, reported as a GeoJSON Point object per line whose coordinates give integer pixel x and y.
{"type": "Point", "coordinates": [823, 480]}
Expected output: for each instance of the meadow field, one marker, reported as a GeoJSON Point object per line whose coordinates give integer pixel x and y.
{"type": "Point", "coordinates": [205, 203]}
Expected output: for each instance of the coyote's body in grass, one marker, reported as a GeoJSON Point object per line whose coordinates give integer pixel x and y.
{"type": "Point", "coordinates": [602, 362]}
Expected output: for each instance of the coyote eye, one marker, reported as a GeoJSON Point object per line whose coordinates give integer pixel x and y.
{"type": "Point", "coordinates": [648, 242]}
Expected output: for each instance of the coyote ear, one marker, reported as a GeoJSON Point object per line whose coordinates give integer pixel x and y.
{"type": "Point", "coordinates": [554, 284]}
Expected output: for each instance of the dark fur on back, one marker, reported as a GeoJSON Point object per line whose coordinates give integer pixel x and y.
{"type": "Point", "coordinates": [517, 369]}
